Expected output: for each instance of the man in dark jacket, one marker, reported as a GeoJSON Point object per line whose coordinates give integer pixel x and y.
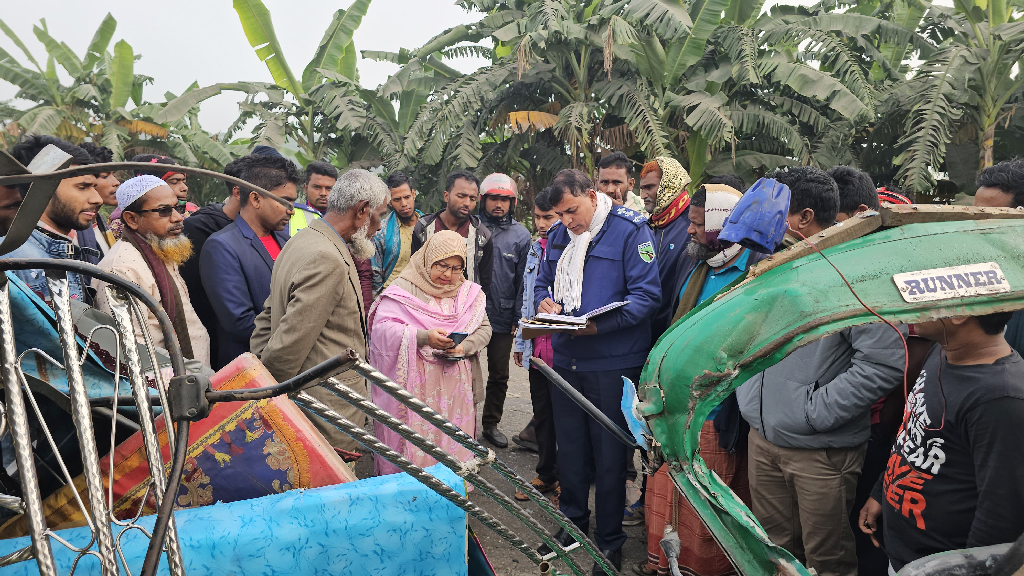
{"type": "Point", "coordinates": [810, 414]}
{"type": "Point", "coordinates": [511, 243]}
{"type": "Point", "coordinates": [208, 220]}
{"type": "Point", "coordinates": [461, 192]}
{"type": "Point", "coordinates": [663, 189]}
{"type": "Point", "coordinates": [236, 263]}
{"type": "Point", "coordinates": [599, 255]}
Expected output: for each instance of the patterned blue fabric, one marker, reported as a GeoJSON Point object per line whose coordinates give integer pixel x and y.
{"type": "Point", "coordinates": [35, 325]}
{"type": "Point", "coordinates": [384, 525]}
{"type": "Point", "coordinates": [387, 243]}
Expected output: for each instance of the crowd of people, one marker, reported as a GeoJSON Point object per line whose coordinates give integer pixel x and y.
{"type": "Point", "coordinates": [841, 466]}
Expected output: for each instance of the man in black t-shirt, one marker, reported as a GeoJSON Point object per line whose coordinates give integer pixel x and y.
{"type": "Point", "coordinates": [955, 478]}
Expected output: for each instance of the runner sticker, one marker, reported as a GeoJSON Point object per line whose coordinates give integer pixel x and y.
{"type": "Point", "coordinates": [952, 282]}
{"type": "Point", "coordinates": [646, 251]}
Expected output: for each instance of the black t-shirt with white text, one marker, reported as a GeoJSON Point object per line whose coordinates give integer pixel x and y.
{"type": "Point", "coordinates": [955, 478]}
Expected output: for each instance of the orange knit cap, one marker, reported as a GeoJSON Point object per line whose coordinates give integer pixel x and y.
{"type": "Point", "coordinates": [649, 168]}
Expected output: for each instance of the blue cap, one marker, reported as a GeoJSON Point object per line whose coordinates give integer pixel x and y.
{"type": "Point", "coordinates": [759, 220]}
{"type": "Point", "coordinates": [263, 150]}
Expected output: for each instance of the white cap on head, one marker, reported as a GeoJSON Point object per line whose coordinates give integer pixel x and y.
{"type": "Point", "coordinates": [134, 188]}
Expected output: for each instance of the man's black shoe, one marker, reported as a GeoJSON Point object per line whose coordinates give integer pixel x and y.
{"type": "Point", "coordinates": [563, 537]}
{"type": "Point", "coordinates": [614, 557]}
{"type": "Point", "coordinates": [494, 436]}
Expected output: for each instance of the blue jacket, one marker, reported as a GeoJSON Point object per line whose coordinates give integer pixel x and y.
{"type": "Point", "coordinates": [236, 269]}
{"type": "Point", "coordinates": [614, 271]}
{"type": "Point", "coordinates": [42, 245]}
{"type": "Point", "coordinates": [511, 244]}
{"type": "Point", "coordinates": [529, 306]}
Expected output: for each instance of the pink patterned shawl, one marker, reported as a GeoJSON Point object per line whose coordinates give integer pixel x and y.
{"type": "Point", "coordinates": [445, 386]}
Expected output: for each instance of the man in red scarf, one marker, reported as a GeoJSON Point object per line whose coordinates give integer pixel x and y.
{"type": "Point", "coordinates": [149, 252]}
{"type": "Point", "coordinates": [663, 189]}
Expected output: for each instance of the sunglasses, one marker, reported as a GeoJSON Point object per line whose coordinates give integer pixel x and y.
{"type": "Point", "coordinates": [164, 212]}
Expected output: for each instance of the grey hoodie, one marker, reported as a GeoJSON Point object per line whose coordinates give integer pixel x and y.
{"type": "Point", "coordinates": [820, 396]}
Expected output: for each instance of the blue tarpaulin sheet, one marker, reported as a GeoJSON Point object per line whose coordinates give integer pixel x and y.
{"type": "Point", "coordinates": [383, 525]}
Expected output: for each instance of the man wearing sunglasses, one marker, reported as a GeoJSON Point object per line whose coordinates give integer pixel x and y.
{"type": "Point", "coordinates": [237, 262]}
{"type": "Point", "coordinates": [150, 250]}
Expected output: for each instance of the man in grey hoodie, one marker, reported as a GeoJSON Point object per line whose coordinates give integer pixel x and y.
{"type": "Point", "coordinates": [810, 414]}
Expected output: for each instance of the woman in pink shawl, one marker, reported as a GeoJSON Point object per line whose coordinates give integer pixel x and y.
{"type": "Point", "coordinates": [409, 343]}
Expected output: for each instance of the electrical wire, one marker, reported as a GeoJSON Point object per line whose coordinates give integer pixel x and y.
{"type": "Point", "coordinates": [903, 340]}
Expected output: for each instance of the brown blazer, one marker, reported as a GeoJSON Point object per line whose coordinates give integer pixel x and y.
{"type": "Point", "coordinates": [315, 310]}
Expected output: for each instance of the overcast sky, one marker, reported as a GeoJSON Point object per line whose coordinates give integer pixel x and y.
{"type": "Point", "coordinates": [182, 41]}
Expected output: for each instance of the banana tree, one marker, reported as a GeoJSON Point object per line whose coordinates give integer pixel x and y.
{"type": "Point", "coordinates": [288, 110]}
{"type": "Point", "coordinates": [94, 104]}
{"type": "Point", "coordinates": [965, 89]}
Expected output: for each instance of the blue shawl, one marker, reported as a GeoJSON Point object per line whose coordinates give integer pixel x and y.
{"type": "Point", "coordinates": [387, 243]}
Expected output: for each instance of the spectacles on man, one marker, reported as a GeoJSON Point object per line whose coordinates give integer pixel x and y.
{"type": "Point", "coordinates": [165, 211]}
{"type": "Point", "coordinates": [442, 268]}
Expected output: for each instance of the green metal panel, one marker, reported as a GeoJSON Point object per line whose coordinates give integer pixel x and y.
{"type": "Point", "coordinates": [752, 325]}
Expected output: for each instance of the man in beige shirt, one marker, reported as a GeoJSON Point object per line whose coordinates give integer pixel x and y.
{"type": "Point", "coordinates": [149, 252]}
{"type": "Point", "coordinates": [315, 310]}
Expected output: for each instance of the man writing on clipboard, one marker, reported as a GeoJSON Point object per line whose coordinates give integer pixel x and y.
{"type": "Point", "coordinates": [599, 255]}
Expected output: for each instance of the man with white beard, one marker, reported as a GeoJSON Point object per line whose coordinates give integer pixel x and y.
{"type": "Point", "coordinates": [315, 310]}
{"type": "Point", "coordinates": [149, 252]}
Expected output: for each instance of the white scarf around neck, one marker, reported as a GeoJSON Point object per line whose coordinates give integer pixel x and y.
{"type": "Point", "coordinates": [569, 273]}
{"type": "Point", "coordinates": [721, 200]}
{"type": "Point", "coordinates": [724, 256]}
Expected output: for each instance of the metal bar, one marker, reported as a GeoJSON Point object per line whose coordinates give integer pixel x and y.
{"type": "Point", "coordinates": [575, 395]}
{"type": "Point", "coordinates": [158, 377]}
{"type": "Point", "coordinates": [120, 311]}
{"type": "Point", "coordinates": [371, 443]}
{"type": "Point", "coordinates": [14, 179]}
{"type": "Point", "coordinates": [465, 471]}
{"type": "Point", "coordinates": [18, 419]}
{"type": "Point", "coordinates": [311, 377]}
{"type": "Point", "coordinates": [465, 440]}
{"type": "Point", "coordinates": [17, 556]}
{"type": "Point", "coordinates": [12, 503]}
{"type": "Point", "coordinates": [81, 415]}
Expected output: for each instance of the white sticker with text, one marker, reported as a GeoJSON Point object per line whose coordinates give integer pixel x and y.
{"type": "Point", "coordinates": [952, 282]}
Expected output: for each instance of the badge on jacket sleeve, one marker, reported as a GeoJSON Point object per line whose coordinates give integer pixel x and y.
{"type": "Point", "coordinates": [646, 251]}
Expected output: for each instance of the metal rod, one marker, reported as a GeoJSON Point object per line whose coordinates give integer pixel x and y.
{"type": "Point", "coordinates": [165, 513]}
{"type": "Point", "coordinates": [12, 503]}
{"type": "Point", "coordinates": [17, 556]}
{"type": "Point", "coordinates": [81, 415]}
{"type": "Point", "coordinates": [445, 491]}
{"type": "Point", "coordinates": [449, 461]}
{"type": "Point", "coordinates": [14, 179]}
{"type": "Point", "coordinates": [119, 310]}
{"type": "Point", "coordinates": [465, 440]}
{"type": "Point", "coordinates": [158, 377]}
{"type": "Point", "coordinates": [18, 419]}
{"type": "Point", "coordinates": [311, 377]}
{"type": "Point", "coordinates": [575, 395]}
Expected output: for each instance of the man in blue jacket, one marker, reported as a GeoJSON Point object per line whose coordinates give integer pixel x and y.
{"type": "Point", "coordinates": [237, 261]}
{"type": "Point", "coordinates": [505, 300]}
{"type": "Point", "coordinates": [599, 255]}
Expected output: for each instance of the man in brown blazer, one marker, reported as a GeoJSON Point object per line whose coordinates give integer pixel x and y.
{"type": "Point", "coordinates": [315, 310]}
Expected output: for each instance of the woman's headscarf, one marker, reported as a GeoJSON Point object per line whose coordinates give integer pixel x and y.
{"type": "Point", "coordinates": [440, 246]}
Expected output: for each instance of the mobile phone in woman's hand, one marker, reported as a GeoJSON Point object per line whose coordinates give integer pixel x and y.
{"type": "Point", "coordinates": [457, 338]}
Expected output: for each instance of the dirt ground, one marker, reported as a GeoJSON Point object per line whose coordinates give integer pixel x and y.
{"type": "Point", "coordinates": [508, 561]}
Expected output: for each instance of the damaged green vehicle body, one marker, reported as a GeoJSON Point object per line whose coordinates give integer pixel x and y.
{"type": "Point", "coordinates": [790, 300]}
